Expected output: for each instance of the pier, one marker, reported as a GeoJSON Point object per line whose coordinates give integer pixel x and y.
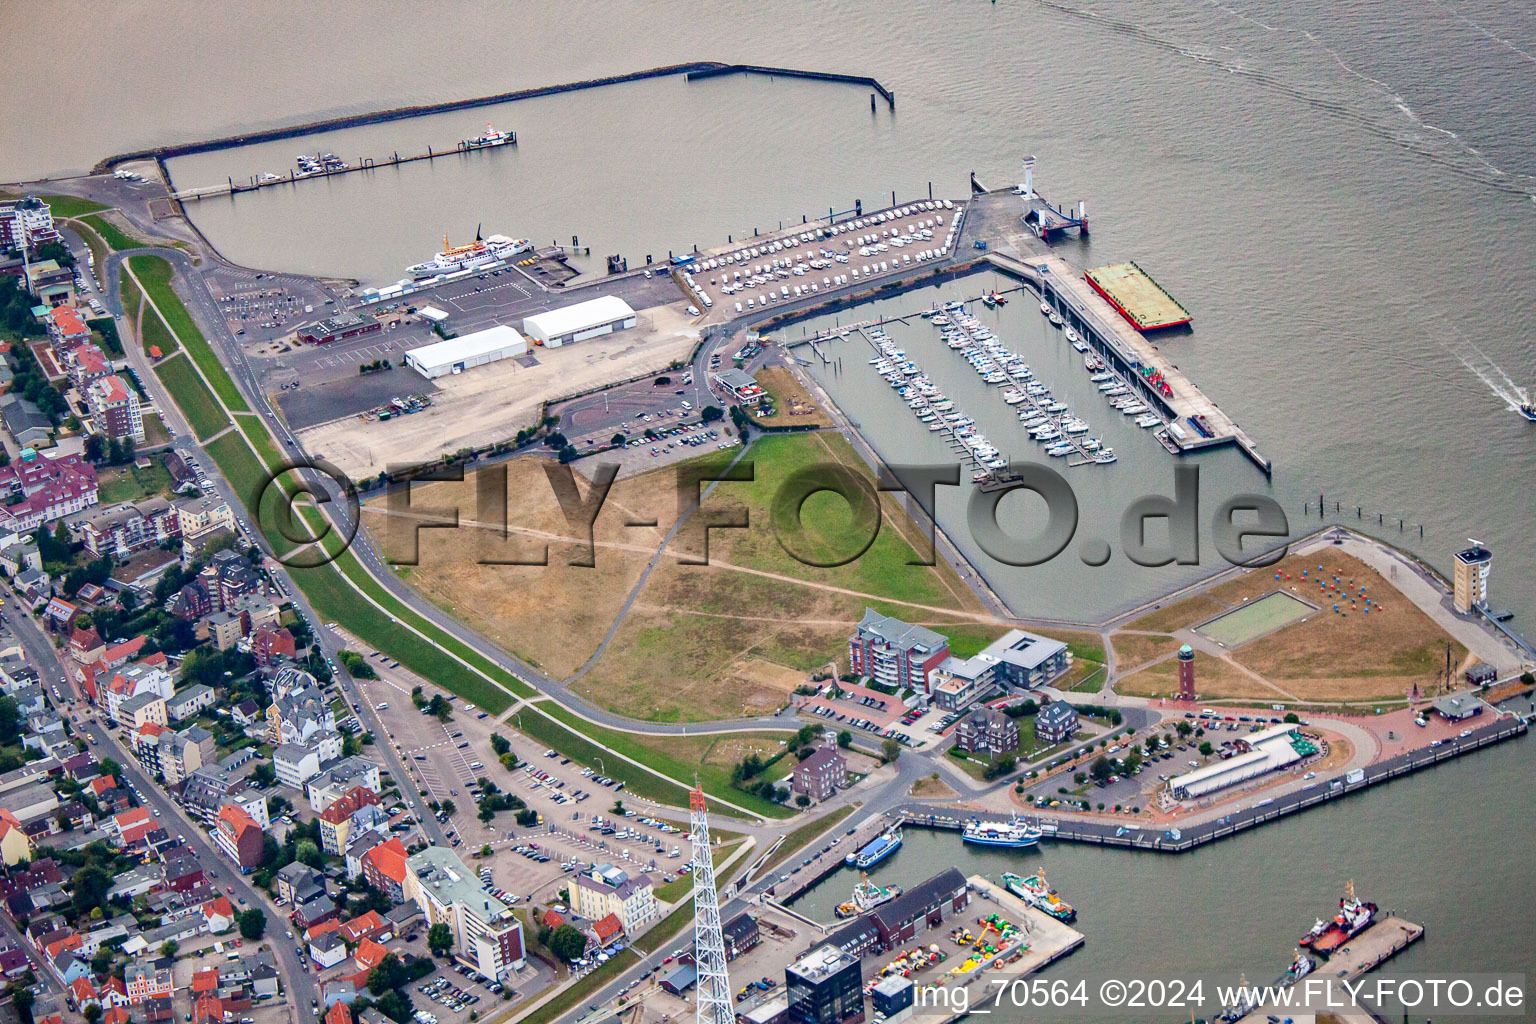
{"type": "Point", "coordinates": [1139, 834]}
{"type": "Point", "coordinates": [1195, 422]}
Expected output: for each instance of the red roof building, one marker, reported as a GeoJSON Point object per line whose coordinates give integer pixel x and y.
{"type": "Point", "coordinates": [369, 954]}
{"type": "Point", "coordinates": [239, 837]}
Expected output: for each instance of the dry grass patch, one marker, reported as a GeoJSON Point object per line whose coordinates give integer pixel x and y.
{"type": "Point", "coordinates": [931, 787]}
{"type": "Point", "coordinates": [1178, 616]}
{"type": "Point", "coordinates": [1214, 677]}
{"type": "Point", "coordinates": [1133, 650]}
{"type": "Point", "coordinates": [792, 404]}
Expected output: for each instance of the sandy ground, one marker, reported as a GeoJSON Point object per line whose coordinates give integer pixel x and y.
{"type": "Point", "coordinates": [491, 403]}
{"type": "Point", "coordinates": [794, 406]}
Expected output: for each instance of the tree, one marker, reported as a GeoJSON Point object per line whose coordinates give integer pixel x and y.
{"type": "Point", "coordinates": [845, 739]}
{"type": "Point", "coordinates": [395, 1005]}
{"type": "Point", "coordinates": [1206, 748]}
{"type": "Point", "coordinates": [500, 744]}
{"type": "Point", "coordinates": [1101, 768]}
{"type": "Point", "coordinates": [802, 800]}
{"type": "Point", "coordinates": [617, 440]}
{"type": "Point", "coordinates": [1293, 718]}
{"type": "Point", "coordinates": [890, 750]}
{"type": "Point", "coordinates": [91, 1013]}
{"type": "Point", "coordinates": [389, 975]}
{"type": "Point", "coordinates": [89, 888]}
{"type": "Point", "coordinates": [1184, 729]}
{"type": "Point", "coordinates": [439, 706]}
{"type": "Point", "coordinates": [10, 721]}
{"type": "Point", "coordinates": [95, 448]}
{"type": "Point", "coordinates": [567, 943]}
{"type": "Point", "coordinates": [440, 939]}
{"type": "Point", "coordinates": [265, 773]}
{"type": "Point", "coordinates": [252, 923]}
{"type": "Point", "coordinates": [308, 853]}
{"type": "Point", "coordinates": [711, 413]}
{"type": "Point", "coordinates": [170, 947]}
{"type": "Point", "coordinates": [449, 808]}
{"type": "Point", "coordinates": [528, 817]}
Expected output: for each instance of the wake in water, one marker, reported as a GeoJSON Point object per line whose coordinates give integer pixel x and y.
{"type": "Point", "coordinates": [1487, 371]}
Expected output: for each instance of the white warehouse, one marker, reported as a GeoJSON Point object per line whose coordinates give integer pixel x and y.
{"type": "Point", "coordinates": [456, 354]}
{"type": "Point", "coordinates": [1269, 750]}
{"type": "Point", "coordinates": [579, 322]}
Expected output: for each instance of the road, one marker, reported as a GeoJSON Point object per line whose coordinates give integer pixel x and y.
{"type": "Point", "coordinates": [297, 984]}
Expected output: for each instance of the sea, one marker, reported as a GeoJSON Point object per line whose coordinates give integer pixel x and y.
{"type": "Point", "coordinates": [1343, 194]}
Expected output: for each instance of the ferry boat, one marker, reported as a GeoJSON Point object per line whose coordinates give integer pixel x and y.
{"type": "Point", "coordinates": [479, 253]}
{"type": "Point", "coordinates": [1037, 892]}
{"type": "Point", "coordinates": [866, 897]}
{"type": "Point", "coordinates": [1354, 917]}
{"type": "Point", "coordinates": [488, 138]}
{"type": "Point", "coordinates": [1016, 834]}
{"type": "Point", "coordinates": [879, 848]}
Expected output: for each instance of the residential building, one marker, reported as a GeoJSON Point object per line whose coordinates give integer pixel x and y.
{"type": "Point", "coordinates": [271, 646]}
{"type": "Point", "coordinates": [52, 284]}
{"type": "Point", "coordinates": [35, 490]}
{"type": "Point", "coordinates": [336, 779]}
{"type": "Point", "coordinates": [226, 629]}
{"type": "Point", "coordinates": [122, 530]}
{"type": "Point", "coordinates": [145, 677]}
{"type": "Point", "coordinates": [826, 986]}
{"type": "Point", "coordinates": [141, 708]}
{"type": "Point", "coordinates": [1055, 722]}
{"type": "Point", "coordinates": [239, 837]}
{"type": "Point", "coordinates": [15, 847]}
{"type": "Point", "coordinates": [895, 653]}
{"type": "Point", "coordinates": [26, 223]}
{"type": "Point", "coordinates": [385, 868]}
{"type": "Point", "coordinates": [336, 821]}
{"type": "Point", "coordinates": [67, 330]}
{"type": "Point", "coordinates": [487, 935]}
{"type": "Point", "coordinates": [987, 731]}
{"type": "Point", "coordinates": [171, 754]}
{"type": "Point", "coordinates": [605, 889]}
{"type": "Point", "coordinates": [295, 764]}
{"type": "Point", "coordinates": [146, 981]}
{"type": "Point", "coordinates": [1016, 659]}
{"type": "Point", "coordinates": [188, 702]}
{"type": "Point", "coordinates": [299, 709]}
{"type": "Point", "coordinates": [820, 775]}
{"type": "Point", "coordinates": [200, 516]}
{"type": "Point", "coordinates": [27, 424]}
{"type": "Point", "coordinates": [299, 884]}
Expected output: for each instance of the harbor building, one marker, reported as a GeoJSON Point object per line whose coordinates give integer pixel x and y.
{"type": "Point", "coordinates": [896, 653]}
{"type": "Point", "coordinates": [1472, 569]}
{"type": "Point", "coordinates": [1458, 709]}
{"type": "Point", "coordinates": [924, 906]}
{"type": "Point", "coordinates": [339, 327]}
{"type": "Point", "coordinates": [579, 322]}
{"type": "Point", "coordinates": [456, 355]}
{"type": "Point", "coordinates": [826, 986]}
{"type": "Point", "coordinates": [1186, 673]}
{"type": "Point", "coordinates": [1268, 750]}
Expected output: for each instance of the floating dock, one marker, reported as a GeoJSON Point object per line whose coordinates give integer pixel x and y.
{"type": "Point", "coordinates": [1135, 296]}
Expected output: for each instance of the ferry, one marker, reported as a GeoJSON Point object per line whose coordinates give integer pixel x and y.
{"type": "Point", "coordinates": [1354, 917]}
{"type": "Point", "coordinates": [866, 897]}
{"type": "Point", "coordinates": [1037, 892]}
{"type": "Point", "coordinates": [1015, 834]}
{"type": "Point", "coordinates": [881, 847]}
{"type": "Point", "coordinates": [488, 138]}
{"type": "Point", "coordinates": [479, 253]}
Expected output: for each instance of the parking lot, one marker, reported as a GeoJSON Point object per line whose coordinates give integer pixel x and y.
{"type": "Point", "coordinates": [820, 257]}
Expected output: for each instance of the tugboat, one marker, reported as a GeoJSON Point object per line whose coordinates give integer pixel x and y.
{"type": "Point", "coordinates": [881, 847]}
{"type": "Point", "coordinates": [1354, 917]}
{"type": "Point", "coordinates": [1300, 967]}
{"type": "Point", "coordinates": [1037, 892]}
{"type": "Point", "coordinates": [1015, 834]}
{"type": "Point", "coordinates": [866, 897]}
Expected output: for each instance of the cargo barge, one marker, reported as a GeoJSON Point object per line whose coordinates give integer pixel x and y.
{"type": "Point", "coordinates": [1135, 296]}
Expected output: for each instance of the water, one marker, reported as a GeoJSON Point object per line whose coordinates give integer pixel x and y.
{"type": "Point", "coordinates": [1340, 192]}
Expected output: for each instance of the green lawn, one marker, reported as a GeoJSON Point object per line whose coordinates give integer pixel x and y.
{"type": "Point", "coordinates": [155, 274]}
{"type": "Point", "coordinates": [680, 887]}
{"type": "Point", "coordinates": [578, 993]}
{"type": "Point", "coordinates": [72, 206]}
{"type": "Point", "coordinates": [131, 296]}
{"type": "Point", "coordinates": [241, 468]}
{"type": "Point", "coordinates": [192, 396]}
{"type": "Point", "coordinates": [715, 779]}
{"type": "Point", "coordinates": [599, 758]}
{"type": "Point", "coordinates": [112, 235]}
{"type": "Point", "coordinates": [129, 483]}
{"type": "Point", "coordinates": [805, 833]}
{"type": "Point", "coordinates": [665, 930]}
{"type": "Point", "coordinates": [155, 333]}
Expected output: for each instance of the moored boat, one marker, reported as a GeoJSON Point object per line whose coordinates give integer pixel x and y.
{"type": "Point", "coordinates": [875, 851]}
{"type": "Point", "coordinates": [1037, 892]}
{"type": "Point", "coordinates": [866, 897]}
{"type": "Point", "coordinates": [1015, 834]}
{"type": "Point", "coordinates": [1354, 916]}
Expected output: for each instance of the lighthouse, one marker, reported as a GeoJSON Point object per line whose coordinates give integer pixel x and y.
{"type": "Point", "coordinates": [1186, 673]}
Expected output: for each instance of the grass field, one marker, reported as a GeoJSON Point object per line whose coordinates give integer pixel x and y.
{"type": "Point", "coordinates": [71, 206]}
{"type": "Point", "coordinates": [131, 296]}
{"type": "Point", "coordinates": [154, 334]}
{"type": "Point", "coordinates": [1252, 620]}
{"type": "Point", "coordinates": [1132, 650]}
{"type": "Point", "coordinates": [128, 483]}
{"type": "Point", "coordinates": [192, 396]}
{"type": "Point", "coordinates": [792, 404]}
{"type": "Point", "coordinates": [110, 233]}
{"type": "Point", "coordinates": [155, 275]}
{"type": "Point", "coordinates": [1322, 656]}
